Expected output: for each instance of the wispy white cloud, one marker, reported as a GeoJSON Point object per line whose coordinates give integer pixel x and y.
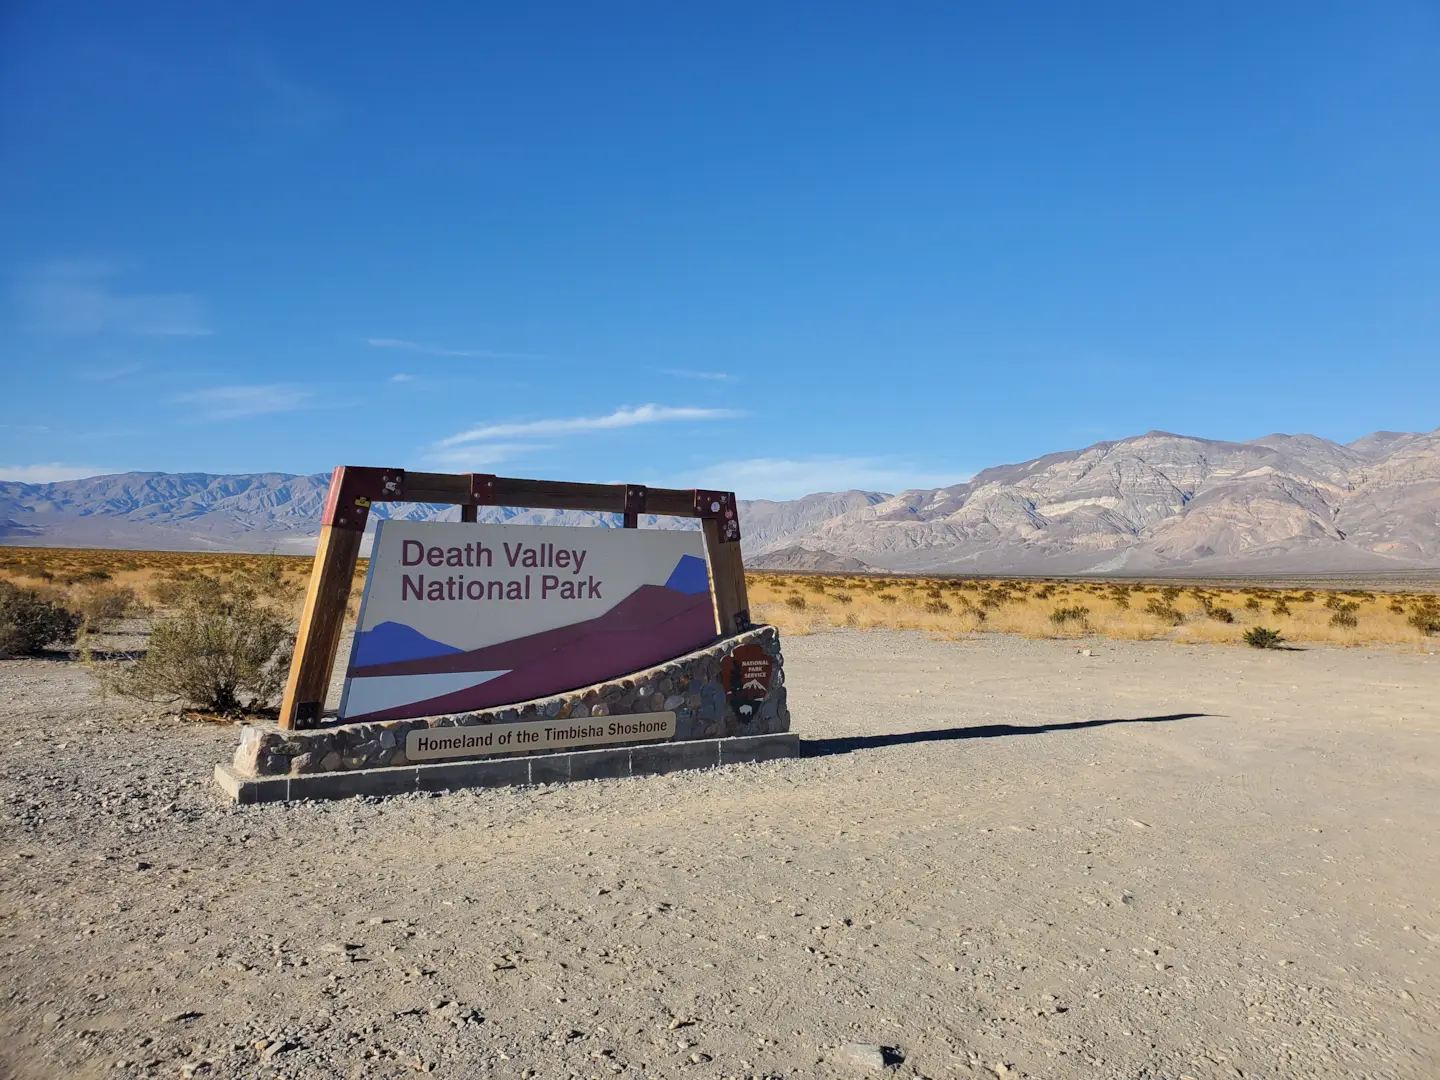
{"type": "Point", "coordinates": [50, 473]}
{"type": "Point", "coordinates": [401, 377]}
{"type": "Point", "coordinates": [470, 458]}
{"type": "Point", "coordinates": [782, 478]}
{"type": "Point", "coordinates": [81, 298]}
{"type": "Point", "coordinates": [708, 376]}
{"type": "Point", "coordinates": [436, 350]}
{"type": "Point", "coordinates": [625, 416]}
{"type": "Point", "coordinates": [235, 402]}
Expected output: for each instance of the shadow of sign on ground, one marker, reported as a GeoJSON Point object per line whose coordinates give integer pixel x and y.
{"type": "Point", "coordinates": [849, 744]}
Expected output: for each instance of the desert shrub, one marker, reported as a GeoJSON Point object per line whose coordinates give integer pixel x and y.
{"type": "Point", "coordinates": [30, 621]}
{"type": "Point", "coordinates": [1280, 607]}
{"type": "Point", "coordinates": [1343, 613]}
{"type": "Point", "coordinates": [1171, 593]}
{"type": "Point", "coordinates": [796, 602]}
{"type": "Point", "coordinates": [1333, 602]}
{"type": "Point", "coordinates": [84, 577]}
{"type": "Point", "coordinates": [1259, 637]}
{"type": "Point", "coordinates": [1252, 604]}
{"type": "Point", "coordinates": [1397, 608]}
{"type": "Point", "coordinates": [1220, 614]}
{"type": "Point", "coordinates": [1307, 597]}
{"type": "Point", "coordinates": [937, 607]}
{"type": "Point", "coordinates": [1425, 619]}
{"type": "Point", "coordinates": [1062, 615]}
{"type": "Point", "coordinates": [221, 651]}
{"type": "Point", "coordinates": [170, 589]}
{"type": "Point", "coordinates": [887, 598]}
{"type": "Point", "coordinates": [101, 604]}
{"type": "Point", "coordinates": [842, 598]}
{"type": "Point", "coordinates": [1162, 609]}
{"type": "Point", "coordinates": [266, 575]}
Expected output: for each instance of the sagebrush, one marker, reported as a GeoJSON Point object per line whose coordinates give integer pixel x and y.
{"type": "Point", "coordinates": [220, 649]}
{"type": "Point", "coordinates": [30, 621]}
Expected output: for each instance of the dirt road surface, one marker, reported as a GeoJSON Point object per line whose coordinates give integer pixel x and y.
{"type": "Point", "coordinates": [1000, 858]}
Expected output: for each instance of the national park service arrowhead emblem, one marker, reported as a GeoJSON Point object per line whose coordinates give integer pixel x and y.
{"type": "Point", "coordinates": [746, 674]}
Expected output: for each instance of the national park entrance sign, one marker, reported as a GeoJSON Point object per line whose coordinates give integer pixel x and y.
{"type": "Point", "coordinates": [498, 654]}
{"type": "Point", "coordinates": [460, 617]}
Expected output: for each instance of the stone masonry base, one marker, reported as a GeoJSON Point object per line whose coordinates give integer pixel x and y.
{"type": "Point", "coordinates": [607, 763]}
{"type": "Point", "coordinates": [690, 686]}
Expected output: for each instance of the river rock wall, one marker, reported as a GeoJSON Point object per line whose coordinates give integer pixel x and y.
{"type": "Point", "coordinates": [689, 686]}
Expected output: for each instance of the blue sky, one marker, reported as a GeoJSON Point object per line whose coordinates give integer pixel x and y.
{"type": "Point", "coordinates": [775, 247]}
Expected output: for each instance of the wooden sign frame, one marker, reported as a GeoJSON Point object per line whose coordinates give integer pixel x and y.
{"type": "Point", "coordinates": [354, 488]}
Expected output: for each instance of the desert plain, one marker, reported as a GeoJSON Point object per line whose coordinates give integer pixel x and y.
{"type": "Point", "coordinates": [1063, 856]}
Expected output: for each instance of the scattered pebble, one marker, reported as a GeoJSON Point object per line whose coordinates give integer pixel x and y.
{"type": "Point", "coordinates": [865, 1056]}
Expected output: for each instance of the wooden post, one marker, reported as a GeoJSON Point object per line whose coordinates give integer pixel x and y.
{"type": "Point", "coordinates": [720, 523]}
{"type": "Point", "coordinates": [347, 508]}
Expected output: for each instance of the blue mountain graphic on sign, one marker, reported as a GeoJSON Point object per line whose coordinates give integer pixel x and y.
{"type": "Point", "coordinates": [689, 576]}
{"type": "Point", "coordinates": [391, 642]}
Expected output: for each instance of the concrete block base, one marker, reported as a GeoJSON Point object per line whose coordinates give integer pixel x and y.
{"type": "Point", "coordinates": [608, 763]}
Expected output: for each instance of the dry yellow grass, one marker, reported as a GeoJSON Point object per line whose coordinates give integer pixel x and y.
{"type": "Point", "coordinates": [69, 572]}
{"type": "Point", "coordinates": [804, 604]}
{"type": "Point", "coordinates": [807, 603]}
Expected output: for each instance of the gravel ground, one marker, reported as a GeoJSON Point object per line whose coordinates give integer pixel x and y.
{"type": "Point", "coordinates": [1001, 858]}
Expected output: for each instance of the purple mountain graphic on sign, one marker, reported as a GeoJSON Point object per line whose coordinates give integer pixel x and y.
{"type": "Point", "coordinates": [392, 643]}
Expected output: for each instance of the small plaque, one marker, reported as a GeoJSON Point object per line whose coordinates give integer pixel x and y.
{"type": "Point", "coordinates": [484, 740]}
{"type": "Point", "coordinates": [746, 674]}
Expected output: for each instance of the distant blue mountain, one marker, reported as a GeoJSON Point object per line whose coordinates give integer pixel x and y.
{"type": "Point", "coordinates": [689, 576]}
{"type": "Point", "coordinates": [391, 642]}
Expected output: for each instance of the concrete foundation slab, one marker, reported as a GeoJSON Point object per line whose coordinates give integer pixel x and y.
{"type": "Point", "coordinates": [604, 764]}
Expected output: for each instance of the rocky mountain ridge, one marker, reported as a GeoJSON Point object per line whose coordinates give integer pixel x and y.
{"type": "Point", "coordinates": [1154, 502]}
{"type": "Point", "coordinates": [1284, 503]}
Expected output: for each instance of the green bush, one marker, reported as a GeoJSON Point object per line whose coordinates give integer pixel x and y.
{"type": "Point", "coordinates": [85, 577]}
{"type": "Point", "coordinates": [1426, 619]}
{"type": "Point", "coordinates": [1062, 615]}
{"type": "Point", "coordinates": [266, 575]}
{"type": "Point", "coordinates": [102, 604]}
{"type": "Point", "coordinates": [1162, 609]}
{"type": "Point", "coordinates": [1343, 614]}
{"type": "Point", "coordinates": [29, 622]}
{"type": "Point", "coordinates": [1258, 637]}
{"type": "Point", "coordinates": [220, 650]}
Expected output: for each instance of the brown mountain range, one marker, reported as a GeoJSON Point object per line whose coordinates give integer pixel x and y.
{"type": "Point", "coordinates": [1154, 502]}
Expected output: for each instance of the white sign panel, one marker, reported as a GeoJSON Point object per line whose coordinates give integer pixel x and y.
{"type": "Point", "coordinates": [459, 616]}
